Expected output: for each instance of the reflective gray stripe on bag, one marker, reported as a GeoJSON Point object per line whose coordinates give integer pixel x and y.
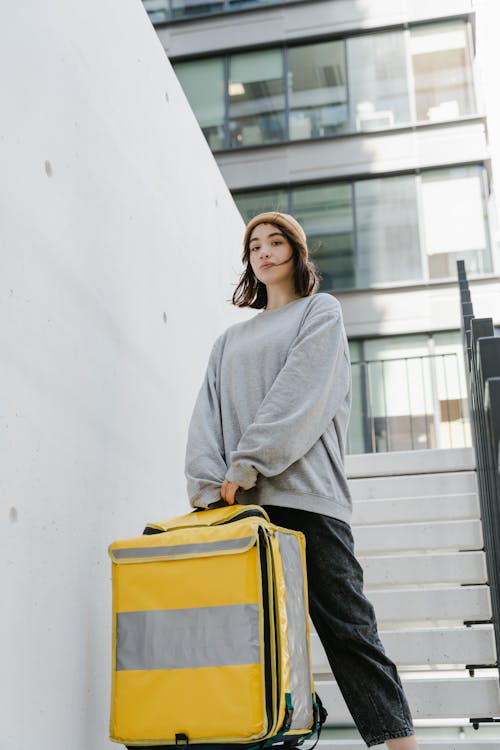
{"type": "Point", "coordinates": [300, 673]}
{"type": "Point", "coordinates": [188, 638]}
{"type": "Point", "coordinates": [182, 549]}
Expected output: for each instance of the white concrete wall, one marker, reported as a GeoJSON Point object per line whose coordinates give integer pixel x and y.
{"type": "Point", "coordinates": [119, 244]}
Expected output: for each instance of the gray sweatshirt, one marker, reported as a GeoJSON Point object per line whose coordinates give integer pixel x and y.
{"type": "Point", "coordinates": [273, 410]}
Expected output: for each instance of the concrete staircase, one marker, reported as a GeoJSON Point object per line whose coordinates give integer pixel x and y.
{"type": "Point", "coordinates": [419, 538]}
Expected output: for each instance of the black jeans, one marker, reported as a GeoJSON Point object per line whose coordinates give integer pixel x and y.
{"type": "Point", "coordinates": [345, 623]}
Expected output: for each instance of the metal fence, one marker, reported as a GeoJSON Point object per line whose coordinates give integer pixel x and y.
{"type": "Point", "coordinates": [482, 367]}
{"type": "Point", "coordinates": [409, 403]}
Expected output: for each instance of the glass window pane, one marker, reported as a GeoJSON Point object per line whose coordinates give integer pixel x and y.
{"type": "Point", "coordinates": [317, 90]}
{"type": "Point", "coordinates": [359, 433]}
{"type": "Point", "coordinates": [325, 212]}
{"type": "Point", "coordinates": [358, 437]}
{"type": "Point", "coordinates": [442, 71]}
{"type": "Point", "coordinates": [454, 424]}
{"type": "Point", "coordinates": [157, 10]}
{"type": "Point", "coordinates": [251, 204]}
{"type": "Point", "coordinates": [257, 100]}
{"type": "Point", "coordinates": [235, 4]}
{"type": "Point", "coordinates": [182, 8]}
{"type": "Point", "coordinates": [388, 246]}
{"type": "Point", "coordinates": [377, 76]}
{"type": "Point", "coordinates": [455, 221]}
{"type": "Point", "coordinates": [203, 84]}
{"type": "Point", "coordinates": [355, 350]}
{"type": "Point", "coordinates": [400, 392]}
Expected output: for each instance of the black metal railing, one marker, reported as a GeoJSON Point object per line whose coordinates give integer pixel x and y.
{"type": "Point", "coordinates": [408, 403]}
{"type": "Point", "coordinates": [482, 368]}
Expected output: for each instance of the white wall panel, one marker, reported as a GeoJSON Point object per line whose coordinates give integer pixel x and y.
{"type": "Point", "coordinates": [372, 153]}
{"type": "Point", "coordinates": [289, 22]}
{"type": "Point", "coordinates": [119, 243]}
{"type": "Point", "coordinates": [434, 307]}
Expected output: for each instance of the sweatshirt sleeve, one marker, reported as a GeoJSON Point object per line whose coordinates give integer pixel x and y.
{"type": "Point", "coordinates": [302, 401]}
{"type": "Point", "coordinates": [205, 464]}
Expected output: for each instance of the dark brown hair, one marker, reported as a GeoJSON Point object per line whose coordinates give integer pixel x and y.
{"type": "Point", "coordinates": [250, 292]}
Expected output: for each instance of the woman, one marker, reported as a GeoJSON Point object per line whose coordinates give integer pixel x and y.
{"type": "Point", "coordinates": [269, 428]}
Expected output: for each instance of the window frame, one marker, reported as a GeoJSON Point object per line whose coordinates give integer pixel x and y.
{"type": "Point", "coordinates": [417, 175]}
{"type": "Point", "coordinates": [432, 344]}
{"type": "Point", "coordinates": [405, 31]}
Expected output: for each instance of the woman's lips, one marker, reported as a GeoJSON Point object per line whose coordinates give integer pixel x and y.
{"type": "Point", "coordinates": [266, 265]}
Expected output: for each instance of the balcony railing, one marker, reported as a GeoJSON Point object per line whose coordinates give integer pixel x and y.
{"type": "Point", "coordinates": [409, 403]}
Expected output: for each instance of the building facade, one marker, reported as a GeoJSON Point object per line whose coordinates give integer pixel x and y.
{"type": "Point", "coordinates": [367, 121]}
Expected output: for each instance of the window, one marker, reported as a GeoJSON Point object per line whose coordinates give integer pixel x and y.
{"type": "Point", "coordinates": [358, 426]}
{"type": "Point", "coordinates": [317, 90]}
{"type": "Point", "coordinates": [157, 10]}
{"type": "Point", "coordinates": [251, 204]}
{"type": "Point", "coordinates": [358, 84]}
{"type": "Point", "coordinates": [441, 62]}
{"type": "Point", "coordinates": [455, 221]}
{"type": "Point", "coordinates": [389, 230]}
{"type": "Point", "coordinates": [256, 98]}
{"type": "Point", "coordinates": [325, 212]}
{"type": "Point", "coordinates": [160, 11]}
{"type": "Point", "coordinates": [183, 8]}
{"type": "Point", "coordinates": [378, 81]}
{"type": "Point", "coordinates": [242, 4]}
{"type": "Point", "coordinates": [388, 244]}
{"type": "Point", "coordinates": [203, 84]}
{"type": "Point", "coordinates": [409, 393]}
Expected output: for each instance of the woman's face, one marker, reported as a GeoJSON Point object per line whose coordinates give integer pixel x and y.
{"type": "Point", "coordinates": [271, 255]}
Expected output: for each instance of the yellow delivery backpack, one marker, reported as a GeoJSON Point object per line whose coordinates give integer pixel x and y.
{"type": "Point", "coordinates": [211, 634]}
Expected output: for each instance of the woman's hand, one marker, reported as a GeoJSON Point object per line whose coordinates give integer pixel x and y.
{"type": "Point", "coordinates": [228, 491]}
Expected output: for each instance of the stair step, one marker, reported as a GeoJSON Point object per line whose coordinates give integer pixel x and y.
{"type": "Point", "coordinates": [445, 567]}
{"type": "Point", "coordinates": [430, 698]}
{"type": "Point", "coordinates": [410, 462]}
{"type": "Point", "coordinates": [409, 537]}
{"type": "Point", "coordinates": [407, 509]}
{"type": "Point", "coordinates": [454, 603]}
{"type": "Point", "coordinates": [488, 743]}
{"type": "Point", "coordinates": [418, 534]}
{"type": "Point", "coordinates": [439, 484]}
{"type": "Point", "coordinates": [426, 647]}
